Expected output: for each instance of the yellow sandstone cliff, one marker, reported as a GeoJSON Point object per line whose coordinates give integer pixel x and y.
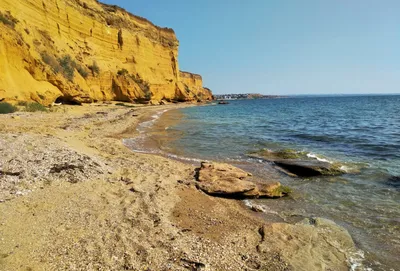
{"type": "Point", "coordinates": [83, 51]}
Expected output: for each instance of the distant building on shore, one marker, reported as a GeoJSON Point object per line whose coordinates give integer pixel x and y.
{"type": "Point", "coordinates": [245, 96]}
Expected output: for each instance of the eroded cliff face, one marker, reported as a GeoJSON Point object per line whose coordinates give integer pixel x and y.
{"type": "Point", "coordinates": [84, 51]}
{"type": "Point", "coordinates": [192, 86]}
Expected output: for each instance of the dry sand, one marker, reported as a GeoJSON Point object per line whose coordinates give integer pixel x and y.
{"type": "Point", "coordinates": [73, 197]}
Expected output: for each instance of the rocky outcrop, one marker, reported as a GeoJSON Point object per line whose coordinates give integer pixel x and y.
{"type": "Point", "coordinates": [298, 164]}
{"type": "Point", "coordinates": [192, 86]}
{"type": "Point", "coordinates": [84, 51]}
{"type": "Point", "coordinates": [227, 180]}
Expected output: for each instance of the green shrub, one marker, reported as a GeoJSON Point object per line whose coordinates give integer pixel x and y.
{"type": "Point", "coordinates": [8, 20]}
{"type": "Point", "coordinates": [82, 71]}
{"type": "Point", "coordinates": [35, 107]}
{"type": "Point", "coordinates": [46, 35]}
{"type": "Point", "coordinates": [144, 86]}
{"type": "Point", "coordinates": [187, 88]}
{"type": "Point", "coordinates": [6, 108]}
{"type": "Point", "coordinates": [68, 66]}
{"type": "Point", "coordinates": [123, 72]}
{"type": "Point", "coordinates": [94, 68]}
{"type": "Point", "coordinates": [51, 61]}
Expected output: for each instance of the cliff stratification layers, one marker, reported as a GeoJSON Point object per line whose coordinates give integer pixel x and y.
{"type": "Point", "coordinates": [85, 51]}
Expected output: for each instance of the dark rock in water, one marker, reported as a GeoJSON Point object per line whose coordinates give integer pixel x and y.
{"type": "Point", "coordinates": [309, 168]}
{"type": "Point", "coordinates": [394, 181]}
{"type": "Point", "coordinates": [298, 163]}
{"type": "Point", "coordinates": [229, 181]}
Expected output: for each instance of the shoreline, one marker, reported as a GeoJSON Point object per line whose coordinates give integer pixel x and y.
{"type": "Point", "coordinates": [95, 204]}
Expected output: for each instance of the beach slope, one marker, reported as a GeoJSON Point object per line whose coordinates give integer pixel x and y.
{"type": "Point", "coordinates": [73, 197]}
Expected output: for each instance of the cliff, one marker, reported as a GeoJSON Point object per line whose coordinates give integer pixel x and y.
{"type": "Point", "coordinates": [193, 86]}
{"type": "Point", "coordinates": [78, 51]}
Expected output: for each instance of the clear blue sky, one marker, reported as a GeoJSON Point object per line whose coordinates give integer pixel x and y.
{"type": "Point", "coordinates": [284, 46]}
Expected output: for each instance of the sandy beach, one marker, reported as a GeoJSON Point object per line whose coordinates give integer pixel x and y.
{"type": "Point", "coordinates": [73, 197]}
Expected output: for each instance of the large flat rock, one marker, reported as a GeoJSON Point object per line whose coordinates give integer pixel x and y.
{"type": "Point", "coordinates": [227, 180]}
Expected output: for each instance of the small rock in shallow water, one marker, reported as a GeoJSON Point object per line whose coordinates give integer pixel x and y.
{"type": "Point", "coordinates": [257, 209]}
{"type": "Point", "coordinates": [394, 181]}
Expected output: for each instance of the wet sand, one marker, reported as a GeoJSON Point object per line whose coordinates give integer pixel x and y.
{"type": "Point", "coordinates": [73, 197]}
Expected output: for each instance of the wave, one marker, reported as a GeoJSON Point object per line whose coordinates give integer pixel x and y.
{"type": "Point", "coordinates": [356, 261]}
{"type": "Point", "coordinates": [143, 126]}
{"type": "Point", "coordinates": [314, 156]}
{"type": "Point", "coordinates": [262, 208]}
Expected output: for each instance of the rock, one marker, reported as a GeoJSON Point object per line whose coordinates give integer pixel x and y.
{"type": "Point", "coordinates": [393, 181]}
{"type": "Point", "coordinates": [278, 155]}
{"type": "Point", "coordinates": [312, 244]}
{"type": "Point", "coordinates": [227, 180]}
{"type": "Point", "coordinates": [226, 186]}
{"type": "Point", "coordinates": [257, 209]}
{"type": "Point", "coordinates": [218, 170]}
{"type": "Point", "coordinates": [298, 164]}
{"type": "Point", "coordinates": [309, 168]}
{"type": "Point", "coordinates": [271, 190]}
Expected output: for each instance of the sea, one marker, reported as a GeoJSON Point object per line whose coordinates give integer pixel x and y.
{"type": "Point", "coordinates": [360, 132]}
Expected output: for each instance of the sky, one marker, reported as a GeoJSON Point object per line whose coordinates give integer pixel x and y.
{"type": "Point", "coordinates": [284, 47]}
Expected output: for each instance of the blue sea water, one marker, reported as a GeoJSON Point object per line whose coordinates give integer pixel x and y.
{"type": "Point", "coordinates": [362, 132]}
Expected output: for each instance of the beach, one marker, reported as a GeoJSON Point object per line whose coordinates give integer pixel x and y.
{"type": "Point", "coordinates": [74, 197]}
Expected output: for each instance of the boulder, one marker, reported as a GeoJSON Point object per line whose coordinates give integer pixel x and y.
{"type": "Point", "coordinates": [227, 180]}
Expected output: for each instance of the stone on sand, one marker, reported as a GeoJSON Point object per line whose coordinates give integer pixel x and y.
{"type": "Point", "coordinates": [227, 180]}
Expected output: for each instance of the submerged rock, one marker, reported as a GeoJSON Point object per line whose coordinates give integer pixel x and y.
{"type": "Point", "coordinates": [278, 155]}
{"type": "Point", "coordinates": [227, 180]}
{"type": "Point", "coordinates": [311, 244]}
{"type": "Point", "coordinates": [299, 164]}
{"type": "Point", "coordinates": [394, 181]}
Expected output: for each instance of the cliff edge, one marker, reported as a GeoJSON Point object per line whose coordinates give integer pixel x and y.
{"type": "Point", "coordinates": [76, 51]}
